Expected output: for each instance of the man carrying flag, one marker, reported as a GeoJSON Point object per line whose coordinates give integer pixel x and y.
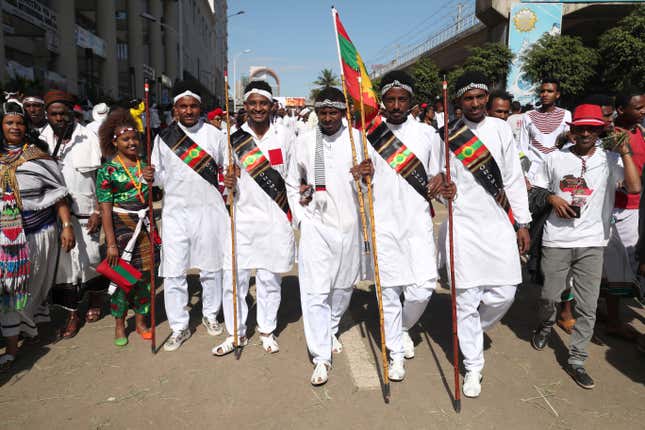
{"type": "Point", "coordinates": [406, 164]}
{"type": "Point", "coordinates": [490, 218]}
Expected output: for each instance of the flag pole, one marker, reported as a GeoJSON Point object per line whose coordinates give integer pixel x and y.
{"type": "Point", "coordinates": [153, 292]}
{"type": "Point", "coordinates": [231, 206]}
{"type": "Point", "coordinates": [453, 289]}
{"type": "Point", "coordinates": [377, 276]}
{"type": "Point", "coordinates": [361, 198]}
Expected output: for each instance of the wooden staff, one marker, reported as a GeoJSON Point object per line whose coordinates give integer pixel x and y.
{"type": "Point", "coordinates": [151, 219]}
{"type": "Point", "coordinates": [453, 289]}
{"type": "Point", "coordinates": [377, 276]}
{"type": "Point", "coordinates": [231, 206]}
{"type": "Point", "coordinates": [361, 199]}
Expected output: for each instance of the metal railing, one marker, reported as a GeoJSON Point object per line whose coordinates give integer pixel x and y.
{"type": "Point", "coordinates": [466, 23]}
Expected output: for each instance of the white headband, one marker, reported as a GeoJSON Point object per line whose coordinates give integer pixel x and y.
{"type": "Point", "coordinates": [397, 84]}
{"type": "Point", "coordinates": [471, 86]}
{"type": "Point", "coordinates": [186, 93]}
{"type": "Point", "coordinates": [33, 99]}
{"type": "Point", "coordinates": [328, 103]}
{"type": "Point", "coordinates": [264, 93]}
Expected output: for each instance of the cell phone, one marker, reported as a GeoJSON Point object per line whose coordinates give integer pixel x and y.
{"type": "Point", "coordinates": [576, 209]}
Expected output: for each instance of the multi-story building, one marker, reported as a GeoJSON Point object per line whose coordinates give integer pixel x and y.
{"type": "Point", "coordinates": [106, 48]}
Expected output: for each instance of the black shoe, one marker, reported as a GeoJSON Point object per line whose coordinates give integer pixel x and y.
{"type": "Point", "coordinates": [580, 375]}
{"type": "Point", "coordinates": [539, 339]}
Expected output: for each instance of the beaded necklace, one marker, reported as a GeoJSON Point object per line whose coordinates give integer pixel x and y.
{"type": "Point", "coordinates": [136, 184]}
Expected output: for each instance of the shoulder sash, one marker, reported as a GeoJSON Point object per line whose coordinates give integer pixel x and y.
{"type": "Point", "coordinates": [477, 159]}
{"type": "Point", "coordinates": [257, 165]}
{"type": "Point", "coordinates": [191, 153]}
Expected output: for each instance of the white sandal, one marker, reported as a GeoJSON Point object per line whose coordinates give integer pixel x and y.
{"type": "Point", "coordinates": [269, 343]}
{"type": "Point", "coordinates": [6, 361]}
{"type": "Point", "coordinates": [320, 375]}
{"type": "Point", "coordinates": [336, 346]}
{"type": "Point", "coordinates": [227, 346]}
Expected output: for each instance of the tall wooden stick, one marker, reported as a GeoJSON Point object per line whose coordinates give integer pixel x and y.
{"type": "Point", "coordinates": [377, 276]}
{"type": "Point", "coordinates": [231, 206]}
{"type": "Point", "coordinates": [361, 198]}
{"type": "Point", "coordinates": [151, 218]}
{"type": "Point", "coordinates": [453, 288]}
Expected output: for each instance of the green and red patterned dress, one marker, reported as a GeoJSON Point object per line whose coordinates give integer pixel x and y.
{"type": "Point", "coordinates": [114, 185]}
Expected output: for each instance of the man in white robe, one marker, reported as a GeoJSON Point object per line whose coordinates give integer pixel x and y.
{"type": "Point", "coordinates": [264, 236]}
{"type": "Point", "coordinates": [195, 220]}
{"type": "Point", "coordinates": [78, 154]}
{"type": "Point", "coordinates": [487, 261]}
{"type": "Point", "coordinates": [323, 199]}
{"type": "Point", "coordinates": [403, 219]}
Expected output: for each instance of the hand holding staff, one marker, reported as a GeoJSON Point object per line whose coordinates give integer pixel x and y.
{"type": "Point", "coordinates": [231, 205]}
{"type": "Point", "coordinates": [153, 292]}
{"type": "Point", "coordinates": [453, 290]}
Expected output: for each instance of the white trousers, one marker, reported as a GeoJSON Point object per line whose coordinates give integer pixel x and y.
{"type": "Point", "coordinates": [397, 317]}
{"type": "Point", "coordinates": [175, 293]}
{"type": "Point", "coordinates": [478, 309]}
{"type": "Point", "coordinates": [268, 294]}
{"type": "Point", "coordinates": [321, 314]}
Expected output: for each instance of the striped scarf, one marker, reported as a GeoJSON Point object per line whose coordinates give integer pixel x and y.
{"type": "Point", "coordinates": [319, 162]}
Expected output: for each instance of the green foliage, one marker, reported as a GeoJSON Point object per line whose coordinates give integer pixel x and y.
{"type": "Point", "coordinates": [491, 59]}
{"type": "Point", "coordinates": [326, 78]}
{"type": "Point", "coordinates": [622, 51]}
{"type": "Point", "coordinates": [564, 58]}
{"type": "Point", "coordinates": [452, 77]}
{"type": "Point", "coordinates": [427, 80]}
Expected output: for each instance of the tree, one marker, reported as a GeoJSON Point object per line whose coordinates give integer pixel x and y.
{"type": "Point", "coordinates": [564, 58]}
{"type": "Point", "coordinates": [326, 78]}
{"type": "Point", "coordinates": [427, 80]}
{"type": "Point", "coordinates": [621, 51]}
{"type": "Point", "coordinates": [491, 59]}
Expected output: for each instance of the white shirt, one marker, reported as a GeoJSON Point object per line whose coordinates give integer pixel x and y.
{"type": "Point", "coordinates": [594, 192]}
{"type": "Point", "coordinates": [515, 121]}
{"type": "Point", "coordinates": [539, 134]}
{"type": "Point", "coordinates": [78, 158]}
{"type": "Point", "coordinates": [485, 242]}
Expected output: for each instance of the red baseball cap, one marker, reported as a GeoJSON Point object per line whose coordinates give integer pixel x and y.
{"type": "Point", "coordinates": [588, 115]}
{"type": "Point", "coordinates": [215, 112]}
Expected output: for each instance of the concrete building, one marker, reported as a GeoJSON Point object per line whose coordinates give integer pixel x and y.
{"type": "Point", "coordinates": [106, 48]}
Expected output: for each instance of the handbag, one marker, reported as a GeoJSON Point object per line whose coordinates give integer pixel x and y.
{"type": "Point", "coordinates": [123, 275]}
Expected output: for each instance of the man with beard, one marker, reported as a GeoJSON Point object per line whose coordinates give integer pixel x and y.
{"type": "Point", "coordinates": [264, 236]}
{"type": "Point", "coordinates": [326, 211]}
{"type": "Point", "coordinates": [34, 106]}
{"type": "Point", "coordinates": [78, 154]}
{"type": "Point", "coordinates": [490, 219]}
{"type": "Point", "coordinates": [406, 164]}
{"type": "Point", "coordinates": [186, 156]}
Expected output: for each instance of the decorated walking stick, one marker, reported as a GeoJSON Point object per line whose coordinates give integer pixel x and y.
{"type": "Point", "coordinates": [231, 206]}
{"type": "Point", "coordinates": [453, 289]}
{"type": "Point", "coordinates": [153, 340]}
{"type": "Point", "coordinates": [377, 276]}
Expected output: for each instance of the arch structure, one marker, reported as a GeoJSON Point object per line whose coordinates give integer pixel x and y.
{"type": "Point", "coordinates": [257, 71]}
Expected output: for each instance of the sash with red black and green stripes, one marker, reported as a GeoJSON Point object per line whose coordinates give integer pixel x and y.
{"type": "Point", "coordinates": [190, 153]}
{"type": "Point", "coordinates": [400, 158]}
{"type": "Point", "coordinates": [474, 155]}
{"type": "Point", "coordinates": [257, 165]}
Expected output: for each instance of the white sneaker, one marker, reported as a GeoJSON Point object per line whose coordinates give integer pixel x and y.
{"type": "Point", "coordinates": [408, 346]}
{"type": "Point", "coordinates": [320, 375]}
{"type": "Point", "coordinates": [472, 384]}
{"type": "Point", "coordinates": [336, 346]}
{"type": "Point", "coordinates": [176, 339]}
{"type": "Point", "coordinates": [397, 370]}
{"type": "Point", "coordinates": [213, 328]}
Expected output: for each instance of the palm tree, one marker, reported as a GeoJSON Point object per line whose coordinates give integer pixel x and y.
{"type": "Point", "coordinates": [326, 78]}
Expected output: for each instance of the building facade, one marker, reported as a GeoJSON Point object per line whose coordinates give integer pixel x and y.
{"type": "Point", "coordinates": [104, 49]}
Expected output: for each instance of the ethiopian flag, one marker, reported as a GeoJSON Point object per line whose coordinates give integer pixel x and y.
{"type": "Point", "coordinates": [352, 67]}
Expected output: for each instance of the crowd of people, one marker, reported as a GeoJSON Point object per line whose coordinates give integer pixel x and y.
{"type": "Point", "coordinates": [555, 191]}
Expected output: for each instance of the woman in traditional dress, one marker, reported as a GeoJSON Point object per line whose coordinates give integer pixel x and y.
{"type": "Point", "coordinates": [33, 194]}
{"type": "Point", "coordinates": [122, 190]}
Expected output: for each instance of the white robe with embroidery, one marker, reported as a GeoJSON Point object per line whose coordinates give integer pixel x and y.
{"type": "Point", "coordinates": [195, 222]}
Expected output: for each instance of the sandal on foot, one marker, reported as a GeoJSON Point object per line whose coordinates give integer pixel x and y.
{"type": "Point", "coordinates": [269, 343]}
{"type": "Point", "coordinates": [6, 362]}
{"type": "Point", "coordinates": [120, 341]}
{"type": "Point", "coordinates": [336, 346]}
{"type": "Point", "coordinates": [622, 331]}
{"type": "Point", "coordinates": [93, 315]}
{"type": "Point", "coordinates": [320, 375]}
{"type": "Point", "coordinates": [567, 325]}
{"type": "Point", "coordinates": [227, 346]}
{"type": "Point", "coordinates": [145, 334]}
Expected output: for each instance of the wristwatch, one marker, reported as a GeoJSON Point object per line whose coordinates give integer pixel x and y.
{"type": "Point", "coordinates": [520, 225]}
